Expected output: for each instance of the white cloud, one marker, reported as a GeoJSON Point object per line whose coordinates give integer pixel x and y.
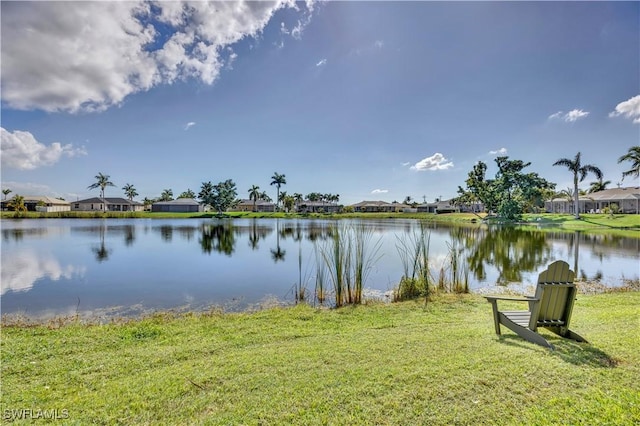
{"type": "Point", "coordinates": [20, 150]}
{"type": "Point", "coordinates": [570, 117]}
{"type": "Point", "coordinates": [500, 151]}
{"type": "Point", "coordinates": [321, 63]}
{"type": "Point", "coordinates": [52, 63]}
{"type": "Point", "coordinates": [189, 125]}
{"type": "Point", "coordinates": [406, 163]}
{"type": "Point", "coordinates": [628, 109]}
{"type": "Point", "coordinates": [379, 191]}
{"type": "Point", "coordinates": [574, 115]}
{"type": "Point", "coordinates": [28, 188]}
{"type": "Point", "coordinates": [436, 162]}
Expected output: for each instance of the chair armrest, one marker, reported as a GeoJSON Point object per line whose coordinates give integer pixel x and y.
{"type": "Point", "coordinates": [516, 299]}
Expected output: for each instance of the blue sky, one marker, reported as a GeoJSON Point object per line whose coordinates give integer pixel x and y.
{"type": "Point", "coordinates": [369, 100]}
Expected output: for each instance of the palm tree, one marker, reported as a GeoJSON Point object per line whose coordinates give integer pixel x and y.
{"type": "Point", "coordinates": [576, 167]}
{"type": "Point", "coordinates": [278, 180]}
{"type": "Point", "coordinates": [167, 195]}
{"type": "Point", "coordinates": [598, 185]}
{"type": "Point", "coordinates": [283, 195]}
{"type": "Point", "coordinates": [297, 198]}
{"type": "Point", "coordinates": [102, 181]}
{"type": "Point", "coordinates": [6, 192]}
{"type": "Point", "coordinates": [147, 203]}
{"type": "Point", "coordinates": [17, 204]}
{"type": "Point", "coordinates": [187, 194]}
{"type": "Point", "coordinates": [265, 197]}
{"type": "Point", "coordinates": [129, 191]}
{"type": "Point", "coordinates": [254, 194]}
{"type": "Point", "coordinates": [634, 156]}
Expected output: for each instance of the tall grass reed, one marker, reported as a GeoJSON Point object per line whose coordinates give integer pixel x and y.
{"type": "Point", "coordinates": [345, 259]}
{"type": "Point", "coordinates": [413, 249]}
{"type": "Point", "coordinates": [454, 272]}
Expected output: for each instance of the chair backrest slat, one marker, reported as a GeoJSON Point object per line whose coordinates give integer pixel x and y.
{"type": "Point", "coordinates": [555, 293]}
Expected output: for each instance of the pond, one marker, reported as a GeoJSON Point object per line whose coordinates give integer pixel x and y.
{"type": "Point", "coordinates": [113, 267]}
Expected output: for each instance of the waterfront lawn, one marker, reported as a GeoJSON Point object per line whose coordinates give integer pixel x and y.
{"type": "Point", "coordinates": [377, 364]}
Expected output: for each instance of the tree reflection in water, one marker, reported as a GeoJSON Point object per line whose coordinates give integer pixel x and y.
{"type": "Point", "coordinates": [218, 237]}
{"type": "Point", "coordinates": [101, 251]}
{"type": "Point", "coordinates": [278, 254]}
{"type": "Point", "coordinates": [510, 250]}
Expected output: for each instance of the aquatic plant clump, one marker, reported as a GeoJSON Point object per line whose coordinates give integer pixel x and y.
{"type": "Point", "coordinates": [346, 259]}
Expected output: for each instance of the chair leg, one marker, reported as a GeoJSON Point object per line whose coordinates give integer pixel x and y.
{"type": "Point", "coordinates": [525, 333]}
{"type": "Point", "coordinates": [567, 334]}
{"type": "Point", "coordinates": [496, 319]}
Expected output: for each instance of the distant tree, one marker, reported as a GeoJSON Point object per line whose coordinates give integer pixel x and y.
{"type": "Point", "coordinates": [265, 197]}
{"type": "Point", "coordinates": [407, 200]}
{"type": "Point", "coordinates": [206, 191]}
{"type": "Point", "coordinates": [254, 194]}
{"type": "Point", "coordinates": [314, 196]}
{"type": "Point", "coordinates": [167, 195]}
{"type": "Point", "coordinates": [297, 197]}
{"type": "Point", "coordinates": [147, 202]}
{"type": "Point", "coordinates": [479, 188]}
{"type": "Point", "coordinates": [283, 195]}
{"type": "Point", "coordinates": [278, 180]}
{"type": "Point", "coordinates": [17, 205]}
{"type": "Point", "coordinates": [102, 181]}
{"type": "Point", "coordinates": [288, 201]}
{"type": "Point", "coordinates": [634, 157]}
{"type": "Point", "coordinates": [223, 196]}
{"type": "Point", "coordinates": [510, 193]}
{"type": "Point", "coordinates": [187, 194]}
{"type": "Point", "coordinates": [129, 191]}
{"type": "Point", "coordinates": [6, 192]}
{"type": "Point", "coordinates": [566, 193]}
{"type": "Point", "coordinates": [580, 172]}
{"type": "Point", "coordinates": [598, 185]}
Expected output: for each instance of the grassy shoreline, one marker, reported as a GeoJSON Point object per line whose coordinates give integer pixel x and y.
{"type": "Point", "coordinates": [402, 363]}
{"type": "Point", "coordinates": [628, 225]}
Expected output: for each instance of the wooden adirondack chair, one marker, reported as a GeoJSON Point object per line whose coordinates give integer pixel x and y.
{"type": "Point", "coordinates": [550, 307]}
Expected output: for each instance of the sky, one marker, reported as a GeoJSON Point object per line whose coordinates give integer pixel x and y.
{"type": "Point", "coordinates": [368, 100]}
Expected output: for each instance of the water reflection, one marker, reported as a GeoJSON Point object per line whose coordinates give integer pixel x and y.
{"type": "Point", "coordinates": [218, 237]}
{"type": "Point", "coordinates": [278, 253]}
{"type": "Point", "coordinates": [509, 250]}
{"type": "Point", "coordinates": [166, 263]}
{"type": "Point", "coordinates": [21, 270]}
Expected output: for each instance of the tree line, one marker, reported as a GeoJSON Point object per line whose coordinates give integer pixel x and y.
{"type": "Point", "coordinates": [513, 191]}
{"type": "Point", "coordinates": [509, 194]}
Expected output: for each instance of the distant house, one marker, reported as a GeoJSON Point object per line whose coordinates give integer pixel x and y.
{"type": "Point", "coordinates": [447, 206]}
{"type": "Point", "coordinates": [307, 206]}
{"type": "Point", "coordinates": [380, 207]}
{"type": "Point", "coordinates": [261, 206]}
{"type": "Point", "coordinates": [181, 205]}
{"type": "Point", "coordinates": [427, 208]}
{"type": "Point", "coordinates": [627, 199]}
{"type": "Point", "coordinates": [42, 204]}
{"type": "Point", "coordinates": [108, 204]}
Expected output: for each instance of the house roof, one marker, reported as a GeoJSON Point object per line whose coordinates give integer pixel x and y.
{"type": "Point", "coordinates": [628, 193]}
{"type": "Point", "coordinates": [366, 203]}
{"type": "Point", "coordinates": [46, 200]}
{"type": "Point", "coordinates": [613, 194]}
{"type": "Point", "coordinates": [178, 202]}
{"type": "Point", "coordinates": [380, 204]}
{"type": "Point", "coordinates": [258, 202]}
{"type": "Point", "coordinates": [316, 203]}
{"type": "Point", "coordinates": [108, 200]}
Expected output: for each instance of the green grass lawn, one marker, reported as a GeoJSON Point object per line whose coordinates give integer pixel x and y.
{"type": "Point", "coordinates": [398, 364]}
